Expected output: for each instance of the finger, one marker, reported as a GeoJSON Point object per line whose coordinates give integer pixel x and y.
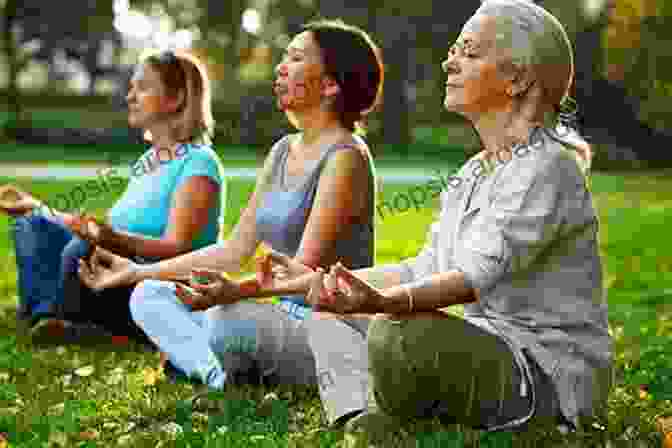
{"type": "Point", "coordinates": [203, 275]}
{"type": "Point", "coordinates": [330, 281]}
{"type": "Point", "coordinates": [264, 273]}
{"type": "Point", "coordinates": [316, 285]}
{"type": "Point", "coordinates": [186, 296]}
{"type": "Point", "coordinates": [85, 275]}
{"type": "Point", "coordinates": [279, 258]}
{"type": "Point", "coordinates": [354, 282]}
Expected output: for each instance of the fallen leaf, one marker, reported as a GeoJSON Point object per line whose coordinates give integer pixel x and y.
{"type": "Point", "coordinates": [150, 376]}
{"type": "Point", "coordinates": [667, 442]}
{"type": "Point", "coordinates": [85, 371]}
{"type": "Point", "coordinates": [91, 434]}
{"type": "Point", "coordinates": [4, 443]}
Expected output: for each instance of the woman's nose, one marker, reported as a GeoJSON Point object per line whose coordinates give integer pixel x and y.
{"type": "Point", "coordinates": [449, 65]}
{"type": "Point", "coordinates": [281, 69]}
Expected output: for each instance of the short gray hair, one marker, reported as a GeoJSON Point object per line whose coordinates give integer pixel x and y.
{"type": "Point", "coordinates": [538, 41]}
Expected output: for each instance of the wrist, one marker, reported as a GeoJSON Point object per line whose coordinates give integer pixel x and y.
{"type": "Point", "coordinates": [139, 272]}
{"type": "Point", "coordinates": [249, 288]}
{"type": "Point", "coordinates": [396, 300]}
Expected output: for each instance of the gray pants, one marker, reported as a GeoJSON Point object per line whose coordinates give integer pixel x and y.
{"type": "Point", "coordinates": [278, 338]}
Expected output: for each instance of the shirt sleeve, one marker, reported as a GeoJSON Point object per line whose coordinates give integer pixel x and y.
{"type": "Point", "coordinates": [200, 162]}
{"type": "Point", "coordinates": [522, 219]}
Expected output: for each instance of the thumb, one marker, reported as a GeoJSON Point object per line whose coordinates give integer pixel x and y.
{"type": "Point", "coordinates": [279, 258]}
{"type": "Point", "coordinates": [343, 274]}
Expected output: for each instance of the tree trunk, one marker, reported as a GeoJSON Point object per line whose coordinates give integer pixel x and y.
{"type": "Point", "coordinates": [11, 56]}
{"type": "Point", "coordinates": [394, 113]}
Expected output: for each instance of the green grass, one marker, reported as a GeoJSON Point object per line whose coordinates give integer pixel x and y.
{"type": "Point", "coordinates": [41, 399]}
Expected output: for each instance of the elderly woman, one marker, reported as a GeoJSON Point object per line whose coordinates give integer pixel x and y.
{"type": "Point", "coordinates": [516, 243]}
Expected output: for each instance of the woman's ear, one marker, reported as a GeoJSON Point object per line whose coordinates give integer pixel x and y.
{"type": "Point", "coordinates": [175, 104]}
{"type": "Point", "coordinates": [330, 87]}
{"type": "Point", "coordinates": [522, 79]}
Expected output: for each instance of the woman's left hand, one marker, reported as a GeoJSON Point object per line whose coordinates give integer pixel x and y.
{"type": "Point", "coordinates": [342, 292]}
{"type": "Point", "coordinates": [210, 288]}
{"type": "Point", "coordinates": [90, 229]}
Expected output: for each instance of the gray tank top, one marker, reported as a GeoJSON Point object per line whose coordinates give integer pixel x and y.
{"type": "Point", "coordinates": [285, 206]}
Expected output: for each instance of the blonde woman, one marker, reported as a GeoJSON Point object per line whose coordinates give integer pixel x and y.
{"type": "Point", "coordinates": [173, 204]}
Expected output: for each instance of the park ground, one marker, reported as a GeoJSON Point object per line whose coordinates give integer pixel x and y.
{"type": "Point", "coordinates": [79, 396]}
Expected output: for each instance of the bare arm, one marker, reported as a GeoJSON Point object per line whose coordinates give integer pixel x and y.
{"type": "Point", "coordinates": [188, 216]}
{"type": "Point", "coordinates": [339, 201]}
{"type": "Point", "coordinates": [227, 256]}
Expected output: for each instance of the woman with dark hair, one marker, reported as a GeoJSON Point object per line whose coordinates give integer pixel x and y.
{"type": "Point", "coordinates": [172, 204]}
{"type": "Point", "coordinates": [516, 243]}
{"type": "Point", "coordinates": [313, 201]}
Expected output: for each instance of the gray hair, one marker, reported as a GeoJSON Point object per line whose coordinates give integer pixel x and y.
{"type": "Point", "coordinates": [536, 40]}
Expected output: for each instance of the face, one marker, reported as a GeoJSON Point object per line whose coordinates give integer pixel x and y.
{"type": "Point", "coordinates": [146, 99]}
{"type": "Point", "coordinates": [475, 83]}
{"type": "Point", "coordinates": [300, 75]}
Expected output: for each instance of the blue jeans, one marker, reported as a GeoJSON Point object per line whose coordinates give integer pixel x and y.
{"type": "Point", "coordinates": [47, 254]}
{"type": "Point", "coordinates": [47, 258]}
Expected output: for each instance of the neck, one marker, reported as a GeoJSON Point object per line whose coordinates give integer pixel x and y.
{"type": "Point", "coordinates": [315, 124]}
{"type": "Point", "coordinates": [162, 139]}
{"type": "Point", "coordinates": [501, 129]}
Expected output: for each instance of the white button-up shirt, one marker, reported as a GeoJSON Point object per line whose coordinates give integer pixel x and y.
{"type": "Point", "coordinates": [525, 234]}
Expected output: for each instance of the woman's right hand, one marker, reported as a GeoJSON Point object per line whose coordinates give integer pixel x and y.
{"type": "Point", "coordinates": [107, 270]}
{"type": "Point", "coordinates": [275, 268]}
{"type": "Point", "coordinates": [16, 202]}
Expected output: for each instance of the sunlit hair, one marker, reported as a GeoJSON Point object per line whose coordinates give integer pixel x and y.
{"type": "Point", "coordinates": [352, 58]}
{"type": "Point", "coordinates": [183, 74]}
{"type": "Point", "coordinates": [537, 41]}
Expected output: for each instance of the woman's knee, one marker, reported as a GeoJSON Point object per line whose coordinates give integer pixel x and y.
{"type": "Point", "coordinates": [147, 295]}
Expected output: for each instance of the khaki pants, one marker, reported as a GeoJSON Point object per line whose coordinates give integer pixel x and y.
{"type": "Point", "coordinates": [426, 365]}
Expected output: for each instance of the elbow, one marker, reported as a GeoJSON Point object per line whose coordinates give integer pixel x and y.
{"type": "Point", "coordinates": [177, 247]}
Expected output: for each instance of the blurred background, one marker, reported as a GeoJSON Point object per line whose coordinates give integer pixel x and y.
{"type": "Point", "coordinates": [65, 66]}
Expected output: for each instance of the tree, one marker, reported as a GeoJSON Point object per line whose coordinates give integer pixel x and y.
{"type": "Point", "coordinates": [15, 60]}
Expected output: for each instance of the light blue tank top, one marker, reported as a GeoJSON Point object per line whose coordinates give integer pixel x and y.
{"type": "Point", "coordinates": [285, 206]}
{"type": "Point", "coordinates": [144, 208]}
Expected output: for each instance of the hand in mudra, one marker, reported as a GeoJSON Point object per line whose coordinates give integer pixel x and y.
{"type": "Point", "coordinates": [341, 292]}
{"type": "Point", "coordinates": [16, 202]}
{"type": "Point", "coordinates": [107, 270]}
{"type": "Point", "coordinates": [275, 268]}
{"type": "Point", "coordinates": [89, 228]}
{"type": "Point", "coordinates": [208, 288]}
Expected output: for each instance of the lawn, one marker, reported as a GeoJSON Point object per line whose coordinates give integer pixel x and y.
{"type": "Point", "coordinates": [114, 396]}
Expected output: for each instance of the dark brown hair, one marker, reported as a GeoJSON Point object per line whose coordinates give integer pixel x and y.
{"type": "Point", "coordinates": [352, 58]}
{"type": "Point", "coordinates": [183, 72]}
